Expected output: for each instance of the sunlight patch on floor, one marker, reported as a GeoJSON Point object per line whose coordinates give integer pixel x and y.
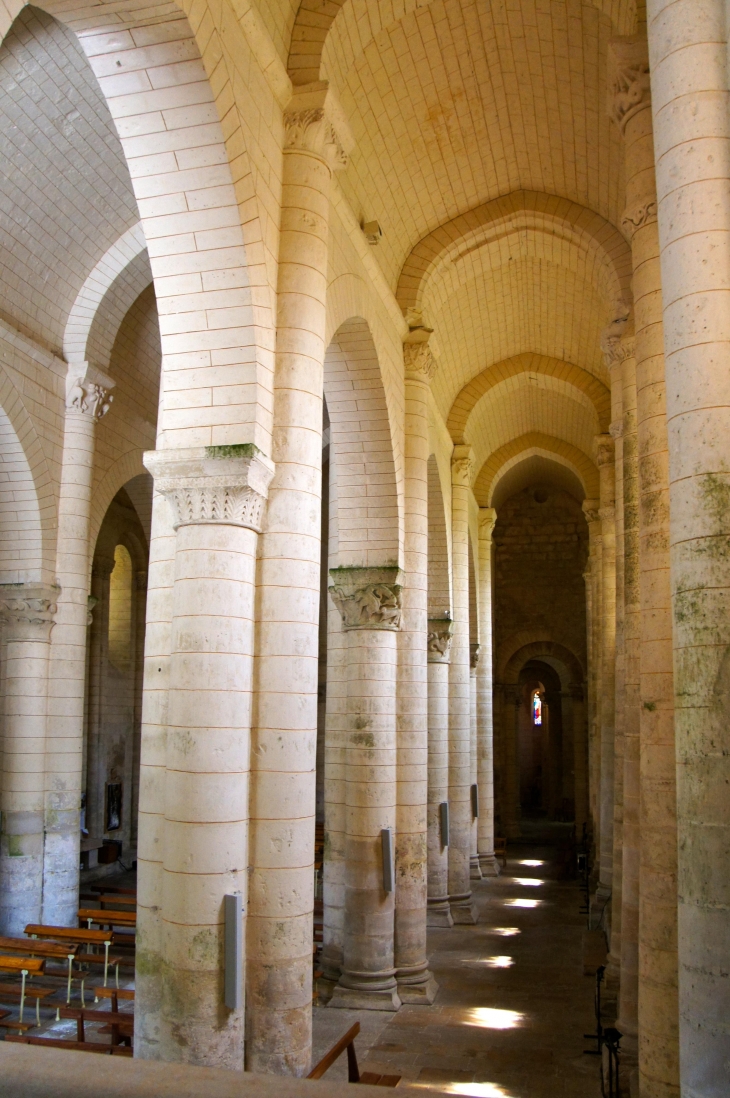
{"type": "Point", "coordinates": [522, 902]}
{"type": "Point", "coordinates": [493, 1018]}
{"type": "Point", "coordinates": [531, 882]}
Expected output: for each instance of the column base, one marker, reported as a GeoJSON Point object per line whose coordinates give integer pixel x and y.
{"type": "Point", "coordinates": [438, 913]}
{"type": "Point", "coordinates": [599, 907]}
{"type": "Point", "coordinates": [416, 986]}
{"type": "Point", "coordinates": [489, 865]}
{"type": "Point", "coordinates": [463, 911]}
{"type": "Point", "coordinates": [349, 998]}
{"type": "Point", "coordinates": [475, 872]}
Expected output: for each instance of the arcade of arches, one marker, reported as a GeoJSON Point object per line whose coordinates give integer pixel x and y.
{"type": "Point", "coordinates": [363, 373]}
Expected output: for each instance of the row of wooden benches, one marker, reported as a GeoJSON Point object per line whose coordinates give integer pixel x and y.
{"type": "Point", "coordinates": [117, 1024]}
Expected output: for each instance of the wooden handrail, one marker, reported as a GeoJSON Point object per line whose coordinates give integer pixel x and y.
{"type": "Point", "coordinates": [345, 1042]}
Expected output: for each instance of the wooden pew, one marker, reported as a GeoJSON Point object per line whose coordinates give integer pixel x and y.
{"type": "Point", "coordinates": [121, 1026]}
{"type": "Point", "coordinates": [25, 967]}
{"type": "Point", "coordinates": [115, 994]}
{"type": "Point", "coordinates": [83, 937]}
{"type": "Point", "coordinates": [77, 1046]}
{"type": "Point", "coordinates": [50, 950]}
{"type": "Point", "coordinates": [108, 919]}
{"type": "Point", "coordinates": [347, 1043]}
{"type": "Point", "coordinates": [119, 901]}
{"type": "Point", "coordinates": [114, 888]}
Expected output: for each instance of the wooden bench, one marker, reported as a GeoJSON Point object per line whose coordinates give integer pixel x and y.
{"type": "Point", "coordinates": [347, 1043]}
{"type": "Point", "coordinates": [77, 1046]}
{"type": "Point", "coordinates": [115, 994]}
{"type": "Point", "coordinates": [11, 992]}
{"type": "Point", "coordinates": [121, 1026]}
{"type": "Point", "coordinates": [118, 889]}
{"type": "Point", "coordinates": [120, 901]}
{"type": "Point", "coordinates": [25, 967]}
{"type": "Point", "coordinates": [108, 919]}
{"type": "Point", "coordinates": [82, 937]}
{"type": "Point", "coordinates": [50, 950]}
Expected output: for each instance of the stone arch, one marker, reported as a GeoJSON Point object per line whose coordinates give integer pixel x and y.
{"type": "Point", "coordinates": [535, 442]}
{"type": "Point", "coordinates": [100, 280]}
{"type": "Point", "coordinates": [439, 570]}
{"type": "Point", "coordinates": [182, 170]}
{"type": "Point", "coordinates": [28, 508]}
{"type": "Point", "coordinates": [537, 212]}
{"type": "Point", "coordinates": [361, 449]}
{"type": "Point", "coordinates": [478, 388]}
{"type": "Point", "coordinates": [126, 467]}
{"type": "Point", "coordinates": [522, 652]}
{"type": "Point", "coordinates": [314, 20]}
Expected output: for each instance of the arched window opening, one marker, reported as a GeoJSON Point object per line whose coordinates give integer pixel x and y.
{"type": "Point", "coordinates": [536, 708]}
{"type": "Point", "coordinates": [120, 610]}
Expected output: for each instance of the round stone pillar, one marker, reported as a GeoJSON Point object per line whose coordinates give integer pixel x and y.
{"type": "Point", "coordinates": [627, 1020]}
{"type": "Point", "coordinates": [509, 758]}
{"type": "Point", "coordinates": [369, 600]}
{"type": "Point", "coordinates": [658, 1001]}
{"type": "Point", "coordinates": [606, 707]}
{"type": "Point", "coordinates": [415, 982]}
{"type": "Point", "coordinates": [485, 700]}
{"type": "Point", "coordinates": [689, 78]}
{"type": "Point", "coordinates": [283, 790]}
{"type": "Point", "coordinates": [439, 644]}
{"type": "Point", "coordinates": [580, 755]}
{"type": "Point", "coordinates": [475, 873]}
{"type": "Point", "coordinates": [87, 400]}
{"type": "Point", "coordinates": [217, 495]}
{"type": "Point", "coordinates": [460, 827]}
{"type": "Point", "coordinates": [592, 577]}
{"type": "Point", "coordinates": [27, 612]}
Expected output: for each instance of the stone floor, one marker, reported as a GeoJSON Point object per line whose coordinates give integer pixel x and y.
{"type": "Point", "coordinates": [513, 1003]}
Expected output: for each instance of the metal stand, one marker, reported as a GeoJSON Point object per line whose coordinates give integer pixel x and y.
{"type": "Point", "coordinates": [611, 1039]}
{"type": "Point", "coordinates": [599, 1035]}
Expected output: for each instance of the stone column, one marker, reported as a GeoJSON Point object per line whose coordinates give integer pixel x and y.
{"type": "Point", "coordinates": [279, 969]}
{"type": "Point", "coordinates": [475, 872]}
{"type": "Point", "coordinates": [509, 724]}
{"type": "Point", "coordinates": [27, 612]}
{"type": "Point", "coordinates": [604, 450]}
{"type": "Point", "coordinates": [462, 909]}
{"type": "Point", "coordinates": [627, 1020]}
{"type": "Point", "coordinates": [592, 576]}
{"type": "Point", "coordinates": [415, 982]}
{"type": "Point", "coordinates": [335, 812]}
{"type": "Point", "coordinates": [485, 700]}
{"type": "Point", "coordinates": [658, 1002]}
{"type": "Point", "coordinates": [87, 400]}
{"type": "Point", "coordinates": [369, 600]}
{"type": "Point", "coordinates": [98, 635]}
{"type": "Point", "coordinates": [580, 755]}
{"type": "Point", "coordinates": [217, 495]}
{"type": "Point", "coordinates": [689, 80]}
{"type": "Point", "coordinates": [439, 644]}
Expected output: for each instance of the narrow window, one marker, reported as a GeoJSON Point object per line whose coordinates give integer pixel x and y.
{"type": "Point", "coordinates": [536, 708]}
{"type": "Point", "coordinates": [120, 610]}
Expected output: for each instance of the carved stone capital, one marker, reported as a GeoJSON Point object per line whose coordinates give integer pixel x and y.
{"type": "Point", "coordinates": [88, 391]}
{"type": "Point", "coordinates": [591, 511]}
{"type": "Point", "coordinates": [638, 216]}
{"type": "Point", "coordinates": [222, 485]}
{"type": "Point", "coordinates": [462, 466]}
{"type": "Point", "coordinates": [438, 640]}
{"type": "Point", "coordinates": [91, 604]}
{"type": "Point", "coordinates": [604, 449]}
{"type": "Point", "coordinates": [27, 610]}
{"type": "Point", "coordinates": [474, 652]}
{"type": "Point", "coordinates": [420, 365]}
{"type": "Point", "coordinates": [487, 520]}
{"type": "Point", "coordinates": [616, 430]}
{"type": "Point", "coordinates": [368, 598]}
{"type": "Point", "coordinates": [629, 82]}
{"type": "Point", "coordinates": [309, 126]}
{"type": "Point", "coordinates": [612, 335]}
{"type": "Point", "coordinates": [607, 514]}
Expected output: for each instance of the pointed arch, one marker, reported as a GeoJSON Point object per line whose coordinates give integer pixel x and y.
{"type": "Point", "coordinates": [535, 442]}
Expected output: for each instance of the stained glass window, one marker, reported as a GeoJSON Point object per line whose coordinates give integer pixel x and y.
{"type": "Point", "coordinates": [536, 709]}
